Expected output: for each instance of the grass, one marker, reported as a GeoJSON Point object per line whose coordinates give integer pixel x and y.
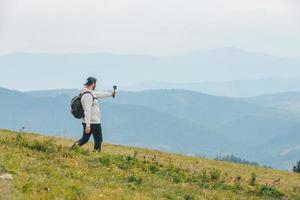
{"type": "Point", "coordinates": [45, 168]}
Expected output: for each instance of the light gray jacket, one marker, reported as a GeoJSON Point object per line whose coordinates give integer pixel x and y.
{"type": "Point", "coordinates": [91, 106]}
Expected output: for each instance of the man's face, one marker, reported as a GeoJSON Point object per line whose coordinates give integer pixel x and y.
{"type": "Point", "coordinates": [94, 86]}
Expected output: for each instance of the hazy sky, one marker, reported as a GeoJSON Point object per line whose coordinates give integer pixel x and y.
{"type": "Point", "coordinates": [153, 27]}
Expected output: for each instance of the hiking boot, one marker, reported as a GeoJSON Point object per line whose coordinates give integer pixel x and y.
{"type": "Point", "coordinates": [97, 151]}
{"type": "Point", "coordinates": [76, 144]}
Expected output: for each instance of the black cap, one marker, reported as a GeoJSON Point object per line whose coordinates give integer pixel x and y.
{"type": "Point", "coordinates": [90, 80]}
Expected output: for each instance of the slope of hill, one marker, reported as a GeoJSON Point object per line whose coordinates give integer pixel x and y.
{"type": "Point", "coordinates": [285, 100]}
{"type": "Point", "coordinates": [45, 168]}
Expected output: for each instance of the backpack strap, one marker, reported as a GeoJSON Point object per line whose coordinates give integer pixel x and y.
{"type": "Point", "coordinates": [88, 92]}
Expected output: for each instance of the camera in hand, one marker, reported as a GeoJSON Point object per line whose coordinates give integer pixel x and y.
{"type": "Point", "coordinates": [115, 87]}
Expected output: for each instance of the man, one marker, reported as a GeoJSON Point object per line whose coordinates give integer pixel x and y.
{"type": "Point", "coordinates": [92, 116]}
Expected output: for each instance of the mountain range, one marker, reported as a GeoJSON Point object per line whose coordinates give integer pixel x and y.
{"type": "Point", "coordinates": [286, 100]}
{"type": "Point", "coordinates": [236, 88]}
{"type": "Point", "coordinates": [171, 120]}
{"type": "Point", "coordinates": [202, 67]}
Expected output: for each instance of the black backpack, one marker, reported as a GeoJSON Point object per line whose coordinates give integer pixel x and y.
{"type": "Point", "coordinates": [76, 106]}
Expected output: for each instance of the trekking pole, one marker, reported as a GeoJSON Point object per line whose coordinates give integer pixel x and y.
{"type": "Point", "coordinates": [115, 88]}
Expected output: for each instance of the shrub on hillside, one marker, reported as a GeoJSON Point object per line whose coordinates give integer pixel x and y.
{"type": "Point", "coordinates": [296, 168]}
{"type": "Point", "coordinates": [188, 197]}
{"type": "Point", "coordinates": [46, 146]}
{"type": "Point", "coordinates": [134, 179]}
{"type": "Point", "coordinates": [269, 192]}
{"type": "Point", "coordinates": [252, 180]}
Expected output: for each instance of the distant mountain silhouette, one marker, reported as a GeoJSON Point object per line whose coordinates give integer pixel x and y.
{"type": "Point", "coordinates": [220, 64]}
{"type": "Point", "coordinates": [238, 88]}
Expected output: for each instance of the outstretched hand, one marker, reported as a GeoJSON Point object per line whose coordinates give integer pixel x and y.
{"type": "Point", "coordinates": [114, 93]}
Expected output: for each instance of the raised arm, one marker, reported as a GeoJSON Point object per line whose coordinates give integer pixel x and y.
{"type": "Point", "coordinates": [103, 94]}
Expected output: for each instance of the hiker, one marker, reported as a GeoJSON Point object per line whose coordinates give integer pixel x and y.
{"type": "Point", "coordinates": [91, 119]}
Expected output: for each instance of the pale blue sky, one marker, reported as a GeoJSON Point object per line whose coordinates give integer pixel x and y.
{"type": "Point", "coordinates": [152, 27]}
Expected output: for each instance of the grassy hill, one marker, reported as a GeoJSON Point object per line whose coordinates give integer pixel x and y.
{"type": "Point", "coordinates": [45, 168]}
